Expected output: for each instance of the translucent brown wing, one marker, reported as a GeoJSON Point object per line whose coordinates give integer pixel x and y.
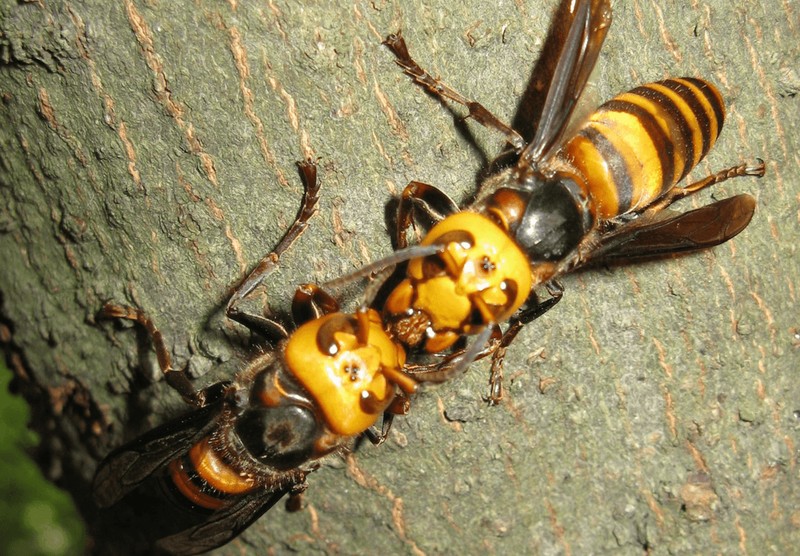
{"type": "Point", "coordinates": [585, 36]}
{"type": "Point", "coordinates": [223, 525]}
{"type": "Point", "coordinates": [126, 467]}
{"type": "Point", "coordinates": [670, 232]}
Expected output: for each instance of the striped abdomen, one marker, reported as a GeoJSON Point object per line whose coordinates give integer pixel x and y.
{"type": "Point", "coordinates": [640, 144]}
{"type": "Point", "coordinates": [205, 479]}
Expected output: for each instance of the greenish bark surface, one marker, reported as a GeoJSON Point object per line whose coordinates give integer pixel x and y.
{"type": "Point", "coordinates": [147, 157]}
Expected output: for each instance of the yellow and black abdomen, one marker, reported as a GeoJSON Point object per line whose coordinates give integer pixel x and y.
{"type": "Point", "coordinates": [640, 144]}
{"type": "Point", "coordinates": [205, 479]}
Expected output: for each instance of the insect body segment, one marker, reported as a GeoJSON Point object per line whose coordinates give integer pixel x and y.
{"type": "Point", "coordinates": [205, 479]}
{"type": "Point", "coordinates": [568, 201]}
{"type": "Point", "coordinates": [269, 428]}
{"type": "Point", "coordinates": [632, 151]}
{"type": "Point", "coordinates": [481, 278]}
{"type": "Point", "coordinates": [640, 144]}
{"type": "Point", "coordinates": [251, 440]}
{"type": "Point", "coordinates": [350, 367]}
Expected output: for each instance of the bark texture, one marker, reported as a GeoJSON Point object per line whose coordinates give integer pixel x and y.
{"type": "Point", "coordinates": [147, 157]}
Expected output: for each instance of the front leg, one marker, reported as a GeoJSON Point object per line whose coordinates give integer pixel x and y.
{"type": "Point", "coordinates": [255, 321]}
{"type": "Point", "coordinates": [433, 202]}
{"type": "Point", "coordinates": [400, 406]}
{"type": "Point", "coordinates": [523, 317]}
{"type": "Point", "coordinates": [477, 112]}
{"type": "Point", "coordinates": [294, 502]}
{"type": "Point", "coordinates": [177, 379]}
{"type": "Point", "coordinates": [310, 302]}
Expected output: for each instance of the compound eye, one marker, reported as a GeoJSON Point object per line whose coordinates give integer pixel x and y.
{"type": "Point", "coordinates": [433, 266]}
{"type": "Point", "coordinates": [495, 304]}
{"type": "Point", "coordinates": [511, 290]}
{"type": "Point", "coordinates": [462, 237]}
{"type": "Point", "coordinates": [331, 335]}
{"type": "Point", "coordinates": [436, 265]}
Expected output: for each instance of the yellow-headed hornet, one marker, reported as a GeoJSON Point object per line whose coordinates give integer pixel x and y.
{"type": "Point", "coordinates": [597, 194]}
{"type": "Point", "coordinates": [253, 439]}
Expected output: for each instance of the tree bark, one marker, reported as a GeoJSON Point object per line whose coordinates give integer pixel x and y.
{"type": "Point", "coordinates": [147, 158]}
